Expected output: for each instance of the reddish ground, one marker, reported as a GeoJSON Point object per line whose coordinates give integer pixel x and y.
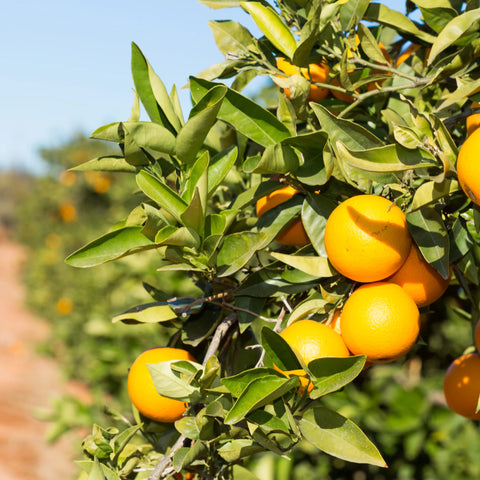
{"type": "Point", "coordinates": [28, 382]}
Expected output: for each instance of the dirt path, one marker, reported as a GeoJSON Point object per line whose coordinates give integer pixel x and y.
{"type": "Point", "coordinates": [27, 382]}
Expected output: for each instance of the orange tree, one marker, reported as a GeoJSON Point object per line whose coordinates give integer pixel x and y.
{"type": "Point", "coordinates": [392, 128]}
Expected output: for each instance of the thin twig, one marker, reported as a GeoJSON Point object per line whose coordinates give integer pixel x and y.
{"type": "Point", "coordinates": [218, 336]}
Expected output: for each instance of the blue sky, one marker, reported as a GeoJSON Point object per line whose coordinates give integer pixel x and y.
{"type": "Point", "coordinates": [66, 64]}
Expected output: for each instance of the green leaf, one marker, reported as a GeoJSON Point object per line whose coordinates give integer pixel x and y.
{"type": "Point", "coordinates": [219, 167]}
{"type": "Point", "coordinates": [437, 17]}
{"type": "Point", "coordinates": [387, 159]}
{"type": "Point", "coordinates": [234, 450]}
{"type": "Point", "coordinates": [237, 250]}
{"type": "Point", "coordinates": [279, 351]}
{"type": "Point", "coordinates": [220, 3]}
{"type": "Point", "coordinates": [459, 94]}
{"type": "Point", "coordinates": [370, 46]}
{"type": "Point", "coordinates": [180, 237]}
{"type": "Point", "coordinates": [151, 136]}
{"type": "Point", "coordinates": [147, 313]}
{"type": "Point", "coordinates": [113, 245]}
{"type": "Point", "coordinates": [96, 473]}
{"type": "Point", "coordinates": [431, 192]}
{"type": "Point", "coordinates": [352, 12]}
{"type": "Point", "coordinates": [461, 242]}
{"type": "Point", "coordinates": [315, 212]}
{"type": "Point", "coordinates": [194, 215]}
{"type": "Point", "coordinates": [351, 134]}
{"type": "Point", "coordinates": [188, 426]}
{"type": "Point", "coordinates": [107, 163]}
{"type": "Point", "coordinates": [245, 115]}
{"type": "Point", "coordinates": [267, 421]}
{"type": "Point", "coordinates": [276, 158]}
{"type": "Point", "coordinates": [111, 132]}
{"type": "Point", "coordinates": [377, 12]}
{"type": "Point", "coordinates": [336, 435]}
{"type": "Point", "coordinates": [170, 383]}
{"type": "Point", "coordinates": [161, 194]}
{"type": "Point", "coordinates": [315, 266]}
{"type": "Point", "coordinates": [236, 384]}
{"type": "Point", "coordinates": [231, 37]}
{"type": "Point", "coordinates": [465, 23]}
{"type": "Point", "coordinates": [272, 26]}
{"type": "Point", "coordinates": [196, 178]}
{"type": "Point", "coordinates": [152, 92]}
{"type": "Point", "coordinates": [330, 374]}
{"type": "Point", "coordinates": [202, 117]}
{"type": "Point", "coordinates": [310, 306]}
{"type": "Point", "coordinates": [430, 234]}
{"type": "Point", "coordinates": [258, 393]}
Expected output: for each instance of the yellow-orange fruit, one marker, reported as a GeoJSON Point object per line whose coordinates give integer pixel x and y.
{"type": "Point", "coordinates": [468, 167]}
{"type": "Point", "coordinates": [141, 388]}
{"type": "Point", "coordinates": [367, 238]}
{"type": "Point", "coordinates": [461, 385]}
{"type": "Point", "coordinates": [419, 279]}
{"type": "Point", "coordinates": [316, 73]}
{"type": "Point", "coordinates": [380, 320]}
{"type": "Point", "coordinates": [294, 234]}
{"type": "Point", "coordinates": [473, 121]}
{"type": "Point", "coordinates": [312, 340]}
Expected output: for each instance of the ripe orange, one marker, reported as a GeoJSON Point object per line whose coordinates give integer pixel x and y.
{"type": "Point", "coordinates": [67, 178]}
{"type": "Point", "coordinates": [419, 279]}
{"type": "Point", "coordinates": [473, 121]}
{"type": "Point", "coordinates": [477, 336]}
{"type": "Point", "coordinates": [367, 238]}
{"type": "Point", "coordinates": [68, 212]}
{"type": "Point", "coordinates": [461, 385]}
{"type": "Point", "coordinates": [315, 73]}
{"type": "Point", "coordinates": [141, 388]}
{"type": "Point", "coordinates": [312, 340]}
{"type": "Point", "coordinates": [380, 320]}
{"type": "Point", "coordinates": [468, 167]}
{"type": "Point", "coordinates": [64, 305]}
{"type": "Point", "coordinates": [407, 53]}
{"type": "Point", "coordinates": [294, 234]}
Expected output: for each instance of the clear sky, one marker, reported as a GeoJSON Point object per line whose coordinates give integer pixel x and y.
{"type": "Point", "coordinates": [65, 64]}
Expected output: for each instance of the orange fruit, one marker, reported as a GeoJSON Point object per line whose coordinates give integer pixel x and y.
{"type": "Point", "coordinates": [101, 184]}
{"type": "Point", "coordinates": [367, 238]}
{"type": "Point", "coordinates": [334, 322]}
{"type": "Point", "coordinates": [141, 388]}
{"type": "Point", "coordinates": [64, 305]}
{"type": "Point", "coordinates": [67, 178]}
{"type": "Point", "coordinates": [312, 340]}
{"type": "Point", "coordinates": [294, 234]}
{"type": "Point", "coordinates": [68, 213]}
{"type": "Point", "coordinates": [477, 335]}
{"type": "Point", "coordinates": [407, 53]}
{"type": "Point", "coordinates": [380, 320]}
{"type": "Point", "coordinates": [468, 167]}
{"type": "Point", "coordinates": [461, 385]}
{"type": "Point", "coordinates": [473, 121]}
{"type": "Point", "coordinates": [315, 73]}
{"type": "Point", "coordinates": [419, 279]}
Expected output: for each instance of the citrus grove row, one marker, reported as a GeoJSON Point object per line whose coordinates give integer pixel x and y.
{"type": "Point", "coordinates": [319, 234]}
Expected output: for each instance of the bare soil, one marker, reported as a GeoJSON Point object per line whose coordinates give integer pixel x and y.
{"type": "Point", "coordinates": [28, 383]}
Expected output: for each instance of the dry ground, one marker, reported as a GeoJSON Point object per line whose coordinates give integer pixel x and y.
{"type": "Point", "coordinates": [28, 382]}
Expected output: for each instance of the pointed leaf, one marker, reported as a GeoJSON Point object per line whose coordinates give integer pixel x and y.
{"type": "Point", "coordinates": [237, 250]}
{"type": "Point", "coordinates": [272, 26]}
{"type": "Point", "coordinates": [276, 158]}
{"type": "Point", "coordinates": [330, 374]}
{"type": "Point", "coordinates": [315, 266]}
{"type": "Point", "coordinates": [161, 194]}
{"type": "Point", "coordinates": [231, 37]}
{"type": "Point", "coordinates": [219, 167]}
{"type": "Point", "coordinates": [279, 351]}
{"type": "Point", "coordinates": [336, 435]}
{"type": "Point", "coordinates": [148, 313]}
{"type": "Point", "coordinates": [236, 384]}
{"type": "Point", "coordinates": [430, 234]}
{"type": "Point", "coordinates": [202, 117]}
{"type": "Point", "coordinates": [151, 136]}
{"type": "Point", "coordinates": [258, 393]}
{"type": "Point", "coordinates": [108, 163]}
{"type": "Point", "coordinates": [387, 159]}
{"type": "Point", "coordinates": [113, 245]}
{"type": "Point", "coordinates": [465, 23]}
{"type": "Point", "coordinates": [245, 115]}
